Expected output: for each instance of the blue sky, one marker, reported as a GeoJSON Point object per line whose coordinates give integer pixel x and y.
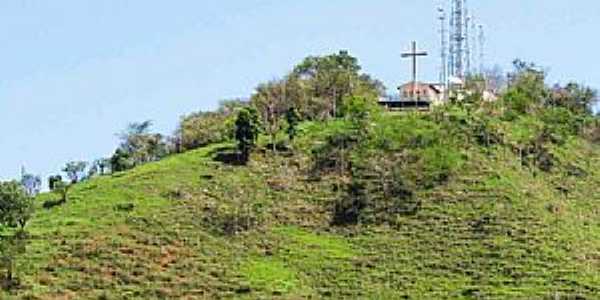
{"type": "Point", "coordinates": [73, 73]}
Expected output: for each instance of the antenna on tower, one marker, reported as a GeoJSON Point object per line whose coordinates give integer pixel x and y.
{"type": "Point", "coordinates": [481, 42]}
{"type": "Point", "coordinates": [443, 45]}
{"type": "Point", "coordinates": [468, 20]}
{"type": "Point", "coordinates": [474, 48]}
{"type": "Point", "coordinates": [458, 37]}
{"type": "Point", "coordinates": [451, 50]}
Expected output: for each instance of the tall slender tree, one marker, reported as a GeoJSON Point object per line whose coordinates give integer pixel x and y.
{"type": "Point", "coordinates": [247, 128]}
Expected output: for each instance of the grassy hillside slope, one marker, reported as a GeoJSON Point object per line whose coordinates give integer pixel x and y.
{"type": "Point", "coordinates": [192, 227]}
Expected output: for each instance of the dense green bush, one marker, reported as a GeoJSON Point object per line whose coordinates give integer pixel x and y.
{"type": "Point", "coordinates": [247, 128]}
{"type": "Point", "coordinates": [204, 128]}
{"type": "Point", "coordinates": [527, 90]}
{"type": "Point", "coordinates": [52, 180]}
{"type": "Point", "coordinates": [561, 123]}
{"type": "Point", "coordinates": [121, 160]}
{"type": "Point", "coordinates": [334, 154]}
{"type": "Point", "coordinates": [292, 118]}
{"type": "Point", "coordinates": [16, 208]}
{"type": "Point", "coordinates": [387, 166]}
{"type": "Point", "coordinates": [578, 99]}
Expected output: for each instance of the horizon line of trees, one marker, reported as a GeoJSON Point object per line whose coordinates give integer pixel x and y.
{"type": "Point", "coordinates": [314, 90]}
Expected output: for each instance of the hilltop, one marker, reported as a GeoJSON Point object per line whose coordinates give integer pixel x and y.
{"type": "Point", "coordinates": [471, 200]}
{"type": "Point", "coordinates": [191, 227]}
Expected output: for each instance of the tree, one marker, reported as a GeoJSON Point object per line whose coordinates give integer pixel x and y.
{"type": "Point", "coordinates": [52, 180]}
{"type": "Point", "coordinates": [579, 99]}
{"type": "Point", "coordinates": [121, 161]}
{"type": "Point", "coordinates": [247, 128]}
{"type": "Point", "coordinates": [31, 183]}
{"type": "Point", "coordinates": [102, 165]}
{"type": "Point", "coordinates": [142, 145]}
{"type": "Point", "coordinates": [203, 128]}
{"type": "Point", "coordinates": [62, 189]}
{"type": "Point", "coordinates": [359, 110]}
{"type": "Point", "coordinates": [136, 128]}
{"type": "Point", "coordinates": [526, 91]}
{"type": "Point", "coordinates": [270, 101]}
{"type": "Point", "coordinates": [293, 119]}
{"type": "Point", "coordinates": [75, 170]}
{"type": "Point", "coordinates": [16, 206]}
{"type": "Point", "coordinates": [333, 77]}
{"type": "Point", "coordinates": [230, 107]}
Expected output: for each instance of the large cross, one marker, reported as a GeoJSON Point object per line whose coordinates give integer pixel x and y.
{"type": "Point", "coordinates": [414, 54]}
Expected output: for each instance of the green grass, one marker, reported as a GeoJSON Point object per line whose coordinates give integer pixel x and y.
{"type": "Point", "coordinates": [496, 230]}
{"type": "Point", "coordinates": [271, 275]}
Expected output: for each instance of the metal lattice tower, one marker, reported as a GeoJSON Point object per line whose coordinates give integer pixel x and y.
{"type": "Point", "coordinates": [474, 48]}
{"type": "Point", "coordinates": [481, 42]}
{"type": "Point", "coordinates": [450, 65]}
{"type": "Point", "coordinates": [458, 38]}
{"type": "Point", "coordinates": [444, 45]}
{"type": "Point", "coordinates": [462, 43]}
{"type": "Point", "coordinates": [468, 20]}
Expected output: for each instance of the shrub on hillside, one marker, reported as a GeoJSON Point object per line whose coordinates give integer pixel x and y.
{"type": "Point", "coordinates": [121, 160]}
{"type": "Point", "coordinates": [560, 124]}
{"type": "Point", "coordinates": [292, 118]}
{"type": "Point", "coordinates": [592, 131]}
{"type": "Point", "coordinates": [527, 90]}
{"type": "Point", "coordinates": [578, 99]}
{"type": "Point", "coordinates": [203, 128]}
{"type": "Point", "coordinates": [52, 180]}
{"type": "Point", "coordinates": [140, 145]}
{"type": "Point", "coordinates": [247, 128]}
{"type": "Point", "coordinates": [387, 167]}
{"type": "Point", "coordinates": [333, 154]}
{"type": "Point", "coordinates": [228, 220]}
{"type": "Point", "coordinates": [16, 206]}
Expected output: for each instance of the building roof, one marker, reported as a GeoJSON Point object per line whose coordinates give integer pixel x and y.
{"type": "Point", "coordinates": [408, 87]}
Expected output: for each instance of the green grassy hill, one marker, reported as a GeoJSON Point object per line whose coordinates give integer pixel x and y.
{"type": "Point", "coordinates": [193, 227]}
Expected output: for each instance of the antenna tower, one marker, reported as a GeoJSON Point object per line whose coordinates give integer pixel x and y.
{"type": "Point", "coordinates": [468, 20]}
{"type": "Point", "coordinates": [451, 50]}
{"type": "Point", "coordinates": [474, 47]}
{"type": "Point", "coordinates": [444, 46]}
{"type": "Point", "coordinates": [458, 38]}
{"type": "Point", "coordinates": [481, 41]}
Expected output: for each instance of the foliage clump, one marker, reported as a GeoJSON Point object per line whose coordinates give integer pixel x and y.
{"type": "Point", "coordinates": [16, 208]}
{"type": "Point", "coordinates": [200, 129]}
{"type": "Point", "coordinates": [138, 146]}
{"type": "Point", "coordinates": [398, 158]}
{"type": "Point", "coordinates": [247, 128]}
